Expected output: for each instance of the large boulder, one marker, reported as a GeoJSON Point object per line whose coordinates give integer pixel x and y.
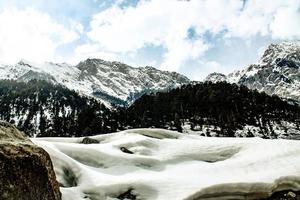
{"type": "Point", "coordinates": [26, 171]}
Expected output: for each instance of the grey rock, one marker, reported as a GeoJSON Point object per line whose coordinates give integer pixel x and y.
{"type": "Point", "coordinates": [88, 140]}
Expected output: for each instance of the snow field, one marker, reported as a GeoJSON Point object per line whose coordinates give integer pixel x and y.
{"type": "Point", "coordinates": [160, 164]}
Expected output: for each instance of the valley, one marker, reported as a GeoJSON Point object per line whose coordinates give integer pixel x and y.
{"type": "Point", "coordinates": [114, 132]}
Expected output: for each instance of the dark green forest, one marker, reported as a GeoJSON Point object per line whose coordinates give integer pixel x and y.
{"type": "Point", "coordinates": [224, 105]}
{"type": "Point", "coordinates": [42, 109]}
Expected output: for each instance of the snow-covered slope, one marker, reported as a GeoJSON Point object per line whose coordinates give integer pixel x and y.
{"type": "Point", "coordinates": [154, 164]}
{"type": "Point", "coordinates": [111, 82]}
{"type": "Point", "coordinates": [277, 72]}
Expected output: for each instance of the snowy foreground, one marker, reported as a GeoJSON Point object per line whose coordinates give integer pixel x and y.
{"type": "Point", "coordinates": [165, 165]}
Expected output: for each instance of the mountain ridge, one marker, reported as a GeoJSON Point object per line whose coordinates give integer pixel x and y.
{"type": "Point", "coordinates": [110, 82]}
{"type": "Point", "coordinates": [115, 83]}
{"type": "Point", "coordinates": [277, 72]}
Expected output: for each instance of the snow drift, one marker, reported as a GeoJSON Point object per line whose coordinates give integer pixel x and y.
{"type": "Point", "coordinates": [160, 164]}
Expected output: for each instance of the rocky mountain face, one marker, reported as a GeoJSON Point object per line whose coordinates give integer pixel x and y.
{"type": "Point", "coordinates": [277, 72]}
{"type": "Point", "coordinates": [111, 82]}
{"type": "Point", "coordinates": [26, 171]}
{"type": "Point", "coordinates": [216, 77]}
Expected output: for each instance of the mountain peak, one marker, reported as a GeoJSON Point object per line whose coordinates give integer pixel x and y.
{"type": "Point", "coordinates": [277, 72]}
{"type": "Point", "coordinates": [110, 82]}
{"type": "Point", "coordinates": [25, 63]}
{"type": "Point", "coordinates": [215, 77]}
{"type": "Point", "coordinates": [122, 83]}
{"type": "Point", "coordinates": [279, 51]}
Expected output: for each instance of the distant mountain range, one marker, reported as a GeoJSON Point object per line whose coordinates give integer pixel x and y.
{"type": "Point", "coordinates": [63, 100]}
{"type": "Point", "coordinates": [115, 83]}
{"type": "Point", "coordinates": [277, 72]}
{"type": "Point", "coordinates": [111, 82]}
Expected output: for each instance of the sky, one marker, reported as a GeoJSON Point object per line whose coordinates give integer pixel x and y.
{"type": "Point", "coordinates": [192, 37]}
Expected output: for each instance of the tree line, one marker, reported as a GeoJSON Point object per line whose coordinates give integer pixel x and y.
{"type": "Point", "coordinates": [43, 109]}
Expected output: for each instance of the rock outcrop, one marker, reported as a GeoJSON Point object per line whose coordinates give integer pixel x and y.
{"type": "Point", "coordinates": [26, 171]}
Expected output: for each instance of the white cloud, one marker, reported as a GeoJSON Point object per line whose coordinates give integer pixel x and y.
{"type": "Point", "coordinates": [153, 22]}
{"type": "Point", "coordinates": [166, 23]}
{"type": "Point", "coordinates": [85, 51]}
{"type": "Point", "coordinates": [286, 23]}
{"type": "Point", "coordinates": [32, 35]}
{"type": "Point", "coordinates": [181, 50]}
{"type": "Point", "coordinates": [120, 33]}
{"type": "Point", "coordinates": [265, 18]}
{"type": "Point", "coordinates": [202, 69]}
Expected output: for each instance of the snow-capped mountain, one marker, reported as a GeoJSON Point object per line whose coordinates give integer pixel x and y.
{"type": "Point", "coordinates": [277, 72]}
{"type": "Point", "coordinates": [216, 77]}
{"type": "Point", "coordinates": [111, 82]}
